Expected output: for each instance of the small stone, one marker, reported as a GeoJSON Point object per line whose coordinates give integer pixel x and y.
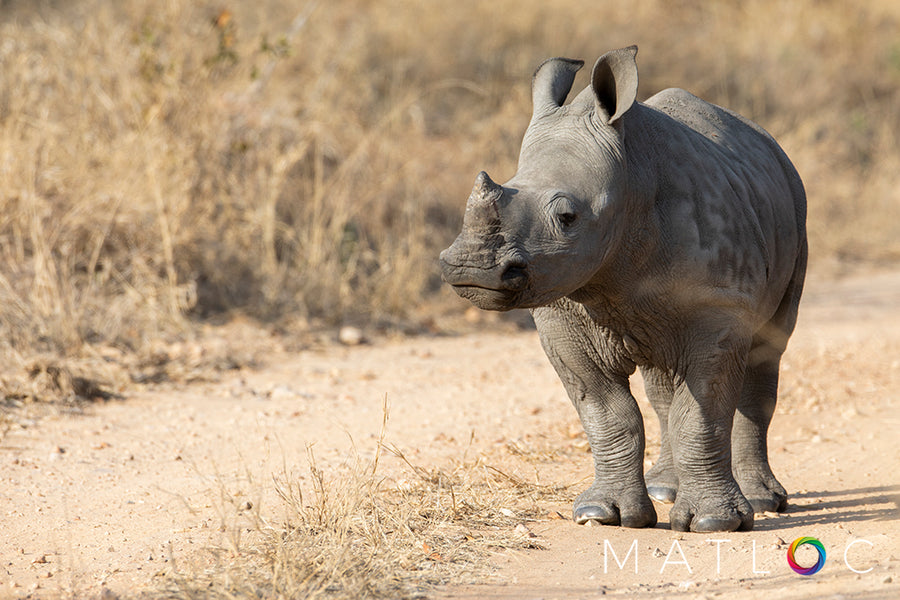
{"type": "Point", "coordinates": [887, 579]}
{"type": "Point", "coordinates": [523, 530]}
{"type": "Point", "coordinates": [850, 413]}
{"type": "Point", "coordinates": [507, 513]}
{"type": "Point", "coordinates": [351, 336]}
{"type": "Point", "coordinates": [281, 392]}
{"type": "Point", "coordinates": [40, 560]}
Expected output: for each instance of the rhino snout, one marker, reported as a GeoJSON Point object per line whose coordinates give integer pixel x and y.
{"type": "Point", "coordinates": [509, 275]}
{"type": "Point", "coordinates": [493, 287]}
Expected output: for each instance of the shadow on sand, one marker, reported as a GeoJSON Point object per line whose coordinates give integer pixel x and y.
{"type": "Point", "coordinates": [874, 503]}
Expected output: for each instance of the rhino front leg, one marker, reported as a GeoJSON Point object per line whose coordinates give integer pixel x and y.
{"type": "Point", "coordinates": [579, 352]}
{"type": "Point", "coordinates": [662, 480]}
{"type": "Point", "coordinates": [700, 424]}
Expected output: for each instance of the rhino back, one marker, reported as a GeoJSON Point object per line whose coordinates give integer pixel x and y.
{"type": "Point", "coordinates": [731, 205]}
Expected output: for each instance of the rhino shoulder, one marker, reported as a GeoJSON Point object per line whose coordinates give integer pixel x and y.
{"type": "Point", "coordinates": [733, 139]}
{"type": "Point", "coordinates": [710, 120]}
{"type": "Point", "coordinates": [673, 100]}
{"type": "Point", "coordinates": [731, 202]}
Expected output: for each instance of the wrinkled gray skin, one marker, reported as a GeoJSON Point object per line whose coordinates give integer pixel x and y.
{"type": "Point", "coordinates": [667, 235]}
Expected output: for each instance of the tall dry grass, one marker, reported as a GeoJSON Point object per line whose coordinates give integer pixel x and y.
{"type": "Point", "coordinates": [305, 161]}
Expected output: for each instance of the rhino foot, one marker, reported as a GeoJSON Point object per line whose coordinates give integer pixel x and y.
{"type": "Point", "coordinates": [627, 510]}
{"type": "Point", "coordinates": [700, 513]}
{"type": "Point", "coordinates": [762, 491]}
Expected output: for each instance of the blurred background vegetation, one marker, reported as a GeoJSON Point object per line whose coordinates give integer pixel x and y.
{"type": "Point", "coordinates": [167, 165]}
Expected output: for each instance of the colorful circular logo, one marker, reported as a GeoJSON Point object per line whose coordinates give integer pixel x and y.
{"type": "Point", "coordinates": [815, 544]}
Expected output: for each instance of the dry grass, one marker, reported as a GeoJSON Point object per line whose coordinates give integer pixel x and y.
{"type": "Point", "coordinates": [304, 163]}
{"type": "Point", "coordinates": [361, 530]}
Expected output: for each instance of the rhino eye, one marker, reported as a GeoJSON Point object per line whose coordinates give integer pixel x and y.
{"type": "Point", "coordinates": [564, 210]}
{"type": "Point", "coordinates": [566, 219]}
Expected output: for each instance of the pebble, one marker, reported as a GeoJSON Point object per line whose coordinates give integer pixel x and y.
{"type": "Point", "coordinates": [351, 336]}
{"type": "Point", "coordinates": [523, 530]}
{"type": "Point", "coordinates": [281, 392]}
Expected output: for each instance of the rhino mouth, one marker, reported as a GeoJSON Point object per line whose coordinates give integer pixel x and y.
{"type": "Point", "coordinates": [487, 298]}
{"type": "Point", "coordinates": [494, 288]}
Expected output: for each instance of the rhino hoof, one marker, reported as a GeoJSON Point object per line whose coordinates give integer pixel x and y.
{"type": "Point", "coordinates": [736, 521]}
{"type": "Point", "coordinates": [713, 524]}
{"type": "Point", "coordinates": [602, 514]}
{"type": "Point", "coordinates": [763, 491]}
{"type": "Point", "coordinates": [643, 516]}
{"type": "Point", "coordinates": [662, 493]}
{"type": "Point", "coordinates": [777, 503]}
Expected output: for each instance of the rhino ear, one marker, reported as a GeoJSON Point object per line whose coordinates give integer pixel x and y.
{"type": "Point", "coordinates": [615, 81]}
{"type": "Point", "coordinates": [551, 84]}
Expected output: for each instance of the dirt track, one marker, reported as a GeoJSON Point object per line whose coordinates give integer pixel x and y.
{"type": "Point", "coordinates": [109, 499]}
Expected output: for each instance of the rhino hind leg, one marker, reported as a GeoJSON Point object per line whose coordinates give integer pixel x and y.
{"type": "Point", "coordinates": [750, 461]}
{"type": "Point", "coordinates": [662, 479]}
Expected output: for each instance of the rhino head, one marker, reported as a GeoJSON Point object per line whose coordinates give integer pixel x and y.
{"type": "Point", "coordinates": [546, 232]}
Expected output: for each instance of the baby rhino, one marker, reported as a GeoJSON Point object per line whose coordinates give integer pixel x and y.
{"type": "Point", "coordinates": [667, 235]}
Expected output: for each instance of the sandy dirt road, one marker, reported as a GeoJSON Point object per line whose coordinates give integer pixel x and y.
{"type": "Point", "coordinates": [111, 499]}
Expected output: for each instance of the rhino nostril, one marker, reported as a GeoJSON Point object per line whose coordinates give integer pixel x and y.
{"type": "Point", "coordinates": [514, 275]}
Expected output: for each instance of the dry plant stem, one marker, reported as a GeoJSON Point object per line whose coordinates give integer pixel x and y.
{"type": "Point", "coordinates": [166, 238]}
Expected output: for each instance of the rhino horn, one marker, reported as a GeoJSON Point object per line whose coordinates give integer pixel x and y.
{"type": "Point", "coordinates": [482, 212]}
{"type": "Point", "coordinates": [551, 84]}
